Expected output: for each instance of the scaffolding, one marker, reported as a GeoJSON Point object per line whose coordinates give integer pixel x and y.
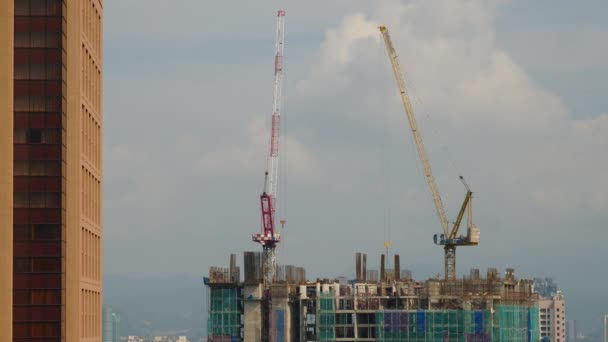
{"type": "Point", "coordinates": [516, 323]}
{"type": "Point", "coordinates": [327, 317]}
{"type": "Point", "coordinates": [434, 325]}
{"type": "Point", "coordinates": [509, 323]}
{"type": "Point", "coordinates": [224, 322]}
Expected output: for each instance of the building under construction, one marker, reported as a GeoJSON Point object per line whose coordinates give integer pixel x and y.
{"type": "Point", "coordinates": [374, 306]}
{"type": "Point", "coordinates": [277, 303]}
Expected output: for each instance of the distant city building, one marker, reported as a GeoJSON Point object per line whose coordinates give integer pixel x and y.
{"type": "Point", "coordinates": [545, 287]}
{"type": "Point", "coordinates": [552, 312]}
{"type": "Point", "coordinates": [570, 331]}
{"type": "Point", "coordinates": [605, 328]}
{"type": "Point", "coordinates": [111, 325]}
{"type": "Point", "coordinates": [158, 339]}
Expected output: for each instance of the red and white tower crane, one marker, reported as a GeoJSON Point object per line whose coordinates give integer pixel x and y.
{"type": "Point", "coordinates": [268, 237]}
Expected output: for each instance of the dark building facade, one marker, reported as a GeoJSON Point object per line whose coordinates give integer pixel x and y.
{"type": "Point", "coordinates": [50, 177]}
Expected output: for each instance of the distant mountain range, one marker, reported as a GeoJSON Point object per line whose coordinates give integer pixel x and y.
{"type": "Point", "coordinates": [157, 305]}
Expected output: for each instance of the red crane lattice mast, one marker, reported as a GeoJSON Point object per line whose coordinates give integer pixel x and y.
{"type": "Point", "coordinates": [268, 237]}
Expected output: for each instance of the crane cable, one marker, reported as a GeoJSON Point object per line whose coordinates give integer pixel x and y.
{"type": "Point", "coordinates": [387, 184]}
{"type": "Point", "coordinates": [282, 207]}
{"type": "Point", "coordinates": [434, 128]}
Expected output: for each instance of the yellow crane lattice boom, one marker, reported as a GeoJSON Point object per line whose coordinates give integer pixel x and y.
{"type": "Point", "coordinates": [411, 117]}
{"type": "Point", "coordinates": [449, 239]}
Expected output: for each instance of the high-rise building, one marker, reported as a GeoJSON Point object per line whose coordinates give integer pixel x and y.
{"type": "Point", "coordinates": [50, 170]}
{"type": "Point", "coordinates": [606, 328]}
{"type": "Point", "coordinates": [571, 331]}
{"type": "Point", "coordinates": [111, 325]}
{"type": "Point", "coordinates": [552, 318]}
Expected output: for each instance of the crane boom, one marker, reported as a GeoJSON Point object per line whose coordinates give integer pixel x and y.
{"type": "Point", "coordinates": [449, 239]}
{"type": "Point", "coordinates": [411, 117]}
{"type": "Point", "coordinates": [273, 157]}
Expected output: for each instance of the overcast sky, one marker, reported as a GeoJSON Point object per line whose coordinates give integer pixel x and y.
{"type": "Point", "coordinates": [510, 94]}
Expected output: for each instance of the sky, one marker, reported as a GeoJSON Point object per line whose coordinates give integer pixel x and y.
{"type": "Point", "coordinates": [509, 94]}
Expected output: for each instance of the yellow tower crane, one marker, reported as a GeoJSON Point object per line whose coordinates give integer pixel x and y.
{"type": "Point", "coordinates": [449, 239]}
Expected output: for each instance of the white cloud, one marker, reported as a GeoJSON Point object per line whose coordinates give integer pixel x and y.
{"type": "Point", "coordinates": [186, 130]}
{"type": "Point", "coordinates": [448, 51]}
{"type": "Point", "coordinates": [560, 48]}
{"type": "Point", "coordinates": [336, 53]}
{"type": "Point", "coordinates": [198, 135]}
{"type": "Point", "coordinates": [249, 155]}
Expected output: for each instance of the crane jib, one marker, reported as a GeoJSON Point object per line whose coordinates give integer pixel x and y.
{"type": "Point", "coordinates": [449, 239]}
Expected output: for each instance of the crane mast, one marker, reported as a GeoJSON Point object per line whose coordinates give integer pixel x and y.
{"type": "Point", "coordinates": [268, 237]}
{"type": "Point", "coordinates": [449, 238]}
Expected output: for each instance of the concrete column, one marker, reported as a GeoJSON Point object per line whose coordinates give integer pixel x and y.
{"type": "Point", "coordinates": [382, 270]}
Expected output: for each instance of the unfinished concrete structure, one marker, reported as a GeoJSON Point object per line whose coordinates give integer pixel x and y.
{"type": "Point", "coordinates": [390, 307]}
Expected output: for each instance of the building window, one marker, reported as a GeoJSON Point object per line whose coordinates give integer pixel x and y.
{"type": "Point", "coordinates": [47, 232]}
{"type": "Point", "coordinates": [37, 136]}
{"type": "Point", "coordinates": [34, 136]}
{"type": "Point", "coordinates": [21, 265]}
{"type": "Point", "coordinates": [46, 265]}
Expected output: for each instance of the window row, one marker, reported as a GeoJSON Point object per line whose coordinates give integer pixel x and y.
{"type": "Point", "coordinates": [37, 281]}
{"type": "Point", "coordinates": [37, 56]}
{"type": "Point", "coordinates": [38, 24]}
{"type": "Point", "coordinates": [36, 216]}
{"type": "Point", "coordinates": [36, 184]}
{"type": "Point", "coordinates": [37, 168]}
{"type": "Point", "coordinates": [38, 7]}
{"type": "Point", "coordinates": [34, 88]}
{"type": "Point", "coordinates": [37, 120]}
{"type": "Point", "coordinates": [37, 265]}
{"type": "Point", "coordinates": [37, 232]}
{"type": "Point", "coordinates": [24, 152]}
{"type": "Point", "coordinates": [37, 104]}
{"type": "Point", "coordinates": [37, 329]}
{"type": "Point", "coordinates": [90, 78]}
{"type": "Point", "coordinates": [37, 313]}
{"type": "Point", "coordinates": [90, 131]}
{"type": "Point", "coordinates": [38, 39]}
{"type": "Point", "coordinates": [37, 136]}
{"type": "Point", "coordinates": [91, 196]}
{"type": "Point", "coordinates": [90, 250]}
{"type": "Point", "coordinates": [37, 71]}
{"type": "Point", "coordinates": [90, 313]}
{"type": "Point", "coordinates": [37, 297]}
{"type": "Point", "coordinates": [35, 249]}
{"type": "Point", "coordinates": [37, 200]}
{"type": "Point", "coordinates": [91, 21]}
